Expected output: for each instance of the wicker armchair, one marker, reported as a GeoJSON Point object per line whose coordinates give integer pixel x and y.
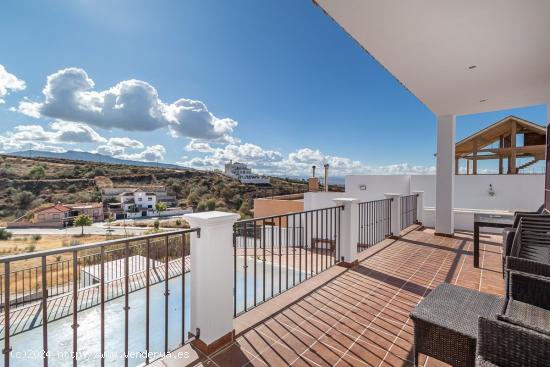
{"type": "Point", "coordinates": [509, 233]}
{"type": "Point", "coordinates": [530, 252]}
{"type": "Point", "coordinates": [503, 344]}
{"type": "Point", "coordinates": [521, 336]}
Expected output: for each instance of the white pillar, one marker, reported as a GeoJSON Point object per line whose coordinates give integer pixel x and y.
{"type": "Point", "coordinates": [212, 279]}
{"type": "Point", "coordinates": [445, 178]}
{"type": "Point", "coordinates": [349, 231]}
{"type": "Point", "coordinates": [419, 205]}
{"type": "Point", "coordinates": [395, 226]}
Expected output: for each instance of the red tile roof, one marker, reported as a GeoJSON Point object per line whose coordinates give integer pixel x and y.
{"type": "Point", "coordinates": [57, 208]}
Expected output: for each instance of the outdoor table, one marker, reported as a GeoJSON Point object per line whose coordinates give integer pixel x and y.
{"type": "Point", "coordinates": [445, 323]}
{"type": "Point", "coordinates": [488, 220]}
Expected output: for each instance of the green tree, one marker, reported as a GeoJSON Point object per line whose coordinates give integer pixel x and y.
{"type": "Point", "coordinates": [37, 173]}
{"type": "Point", "coordinates": [82, 221]}
{"type": "Point", "coordinates": [160, 207]}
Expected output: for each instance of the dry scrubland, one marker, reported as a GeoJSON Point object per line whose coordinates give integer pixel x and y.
{"type": "Point", "coordinates": [28, 183]}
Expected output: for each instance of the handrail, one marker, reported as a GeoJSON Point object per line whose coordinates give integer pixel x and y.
{"type": "Point", "coordinates": [88, 246]}
{"type": "Point", "coordinates": [287, 214]}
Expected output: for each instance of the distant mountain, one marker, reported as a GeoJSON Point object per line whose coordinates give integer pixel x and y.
{"type": "Point", "coordinates": [91, 157]}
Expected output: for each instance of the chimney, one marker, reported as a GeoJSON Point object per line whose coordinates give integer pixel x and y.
{"type": "Point", "coordinates": [326, 177]}
{"type": "Point", "coordinates": [313, 182]}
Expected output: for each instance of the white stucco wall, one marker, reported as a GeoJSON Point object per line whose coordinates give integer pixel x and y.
{"type": "Point", "coordinates": [512, 192]}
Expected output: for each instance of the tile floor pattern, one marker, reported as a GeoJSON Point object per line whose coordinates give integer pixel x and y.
{"type": "Point", "coordinates": [358, 317]}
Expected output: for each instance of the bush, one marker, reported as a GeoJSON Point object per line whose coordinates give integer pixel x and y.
{"type": "Point", "coordinates": [24, 198]}
{"type": "Point", "coordinates": [37, 173]}
{"type": "Point", "coordinates": [156, 224]}
{"type": "Point", "coordinates": [4, 234]}
{"type": "Point", "coordinates": [36, 237]}
{"type": "Point", "coordinates": [72, 189]}
{"type": "Point", "coordinates": [210, 204]}
{"type": "Point", "coordinates": [178, 222]}
{"type": "Point", "coordinates": [74, 243]}
{"type": "Point", "coordinates": [31, 248]}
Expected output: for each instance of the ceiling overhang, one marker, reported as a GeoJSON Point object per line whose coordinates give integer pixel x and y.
{"type": "Point", "coordinates": [457, 57]}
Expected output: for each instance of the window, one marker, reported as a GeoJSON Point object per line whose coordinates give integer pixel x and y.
{"type": "Point", "coordinates": [150, 198]}
{"type": "Point", "coordinates": [140, 199]}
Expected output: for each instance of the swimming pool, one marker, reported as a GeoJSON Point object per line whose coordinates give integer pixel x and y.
{"type": "Point", "coordinates": [27, 346]}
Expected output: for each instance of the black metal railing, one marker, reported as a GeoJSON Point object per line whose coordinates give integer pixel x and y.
{"type": "Point", "coordinates": [408, 210]}
{"type": "Point", "coordinates": [273, 254]}
{"type": "Point", "coordinates": [132, 290]}
{"type": "Point", "coordinates": [374, 222]}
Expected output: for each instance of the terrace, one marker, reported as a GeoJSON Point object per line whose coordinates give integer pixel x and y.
{"type": "Point", "coordinates": [357, 317]}
{"type": "Point", "coordinates": [329, 285]}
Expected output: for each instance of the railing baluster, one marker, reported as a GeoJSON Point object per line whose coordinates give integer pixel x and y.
{"type": "Point", "coordinates": [102, 305]}
{"type": "Point", "coordinates": [183, 255]}
{"type": "Point", "coordinates": [263, 277]}
{"type": "Point", "coordinates": [147, 297]}
{"type": "Point", "coordinates": [126, 303]}
{"type": "Point", "coordinates": [293, 250]}
{"type": "Point", "coordinates": [7, 348]}
{"type": "Point", "coordinates": [300, 246]}
{"type": "Point", "coordinates": [245, 268]}
{"type": "Point", "coordinates": [75, 308]}
{"type": "Point", "coordinates": [166, 294]}
{"type": "Point", "coordinates": [280, 284]}
{"type": "Point", "coordinates": [44, 312]}
{"type": "Point", "coordinates": [255, 261]}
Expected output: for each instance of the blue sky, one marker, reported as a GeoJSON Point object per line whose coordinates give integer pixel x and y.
{"type": "Point", "coordinates": [281, 86]}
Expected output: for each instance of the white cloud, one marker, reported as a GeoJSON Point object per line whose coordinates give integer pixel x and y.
{"type": "Point", "coordinates": [131, 105]}
{"type": "Point", "coordinates": [10, 145]}
{"type": "Point", "coordinates": [125, 142]}
{"type": "Point", "coordinates": [297, 163]}
{"type": "Point", "coordinates": [152, 153]}
{"type": "Point", "coordinates": [9, 83]}
{"type": "Point", "coordinates": [60, 133]}
{"type": "Point", "coordinates": [111, 150]}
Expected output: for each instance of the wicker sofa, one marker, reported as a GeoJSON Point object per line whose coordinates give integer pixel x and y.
{"type": "Point", "coordinates": [521, 335]}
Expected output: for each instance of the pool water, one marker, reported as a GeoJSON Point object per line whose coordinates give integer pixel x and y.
{"type": "Point", "coordinates": [27, 346]}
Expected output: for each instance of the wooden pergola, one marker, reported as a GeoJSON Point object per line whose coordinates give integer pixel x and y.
{"type": "Point", "coordinates": [503, 134]}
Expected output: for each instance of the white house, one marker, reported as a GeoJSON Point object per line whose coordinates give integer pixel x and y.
{"type": "Point", "coordinates": [244, 174]}
{"type": "Point", "coordinates": [134, 204]}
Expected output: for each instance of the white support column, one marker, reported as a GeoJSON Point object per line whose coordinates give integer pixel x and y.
{"type": "Point", "coordinates": [445, 178]}
{"type": "Point", "coordinates": [419, 205]}
{"type": "Point", "coordinates": [395, 206]}
{"type": "Point", "coordinates": [212, 279]}
{"type": "Point", "coordinates": [349, 231]}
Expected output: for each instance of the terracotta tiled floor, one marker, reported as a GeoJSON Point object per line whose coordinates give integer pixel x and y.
{"type": "Point", "coordinates": [358, 317]}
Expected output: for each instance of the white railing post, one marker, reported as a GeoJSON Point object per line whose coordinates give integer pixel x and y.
{"type": "Point", "coordinates": [395, 213]}
{"type": "Point", "coordinates": [419, 205]}
{"type": "Point", "coordinates": [212, 280]}
{"type": "Point", "coordinates": [349, 231]}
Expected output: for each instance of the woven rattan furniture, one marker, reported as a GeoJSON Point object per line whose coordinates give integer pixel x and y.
{"type": "Point", "coordinates": [530, 251]}
{"type": "Point", "coordinates": [502, 344]}
{"type": "Point", "coordinates": [520, 337]}
{"type": "Point", "coordinates": [509, 232]}
{"type": "Point", "coordinates": [446, 323]}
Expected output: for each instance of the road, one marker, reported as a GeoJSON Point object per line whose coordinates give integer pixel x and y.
{"type": "Point", "coordinates": [97, 228]}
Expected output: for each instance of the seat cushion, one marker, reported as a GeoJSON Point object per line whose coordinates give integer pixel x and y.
{"type": "Point", "coordinates": [527, 316]}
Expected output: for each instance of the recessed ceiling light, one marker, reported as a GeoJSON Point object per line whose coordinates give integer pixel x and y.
{"type": "Point", "coordinates": [472, 67]}
{"type": "Point", "coordinates": [483, 100]}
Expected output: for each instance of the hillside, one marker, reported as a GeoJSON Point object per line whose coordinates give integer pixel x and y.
{"type": "Point", "coordinates": [27, 183]}
{"type": "Point", "coordinates": [91, 157]}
